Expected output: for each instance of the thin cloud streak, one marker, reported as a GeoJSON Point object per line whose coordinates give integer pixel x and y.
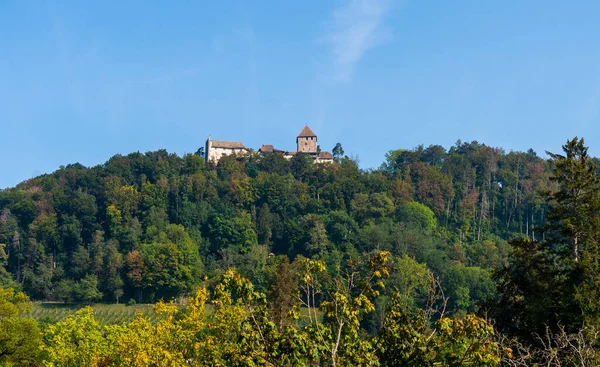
{"type": "Point", "coordinates": [354, 29]}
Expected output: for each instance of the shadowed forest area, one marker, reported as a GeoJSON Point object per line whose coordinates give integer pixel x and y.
{"type": "Point", "coordinates": [470, 256]}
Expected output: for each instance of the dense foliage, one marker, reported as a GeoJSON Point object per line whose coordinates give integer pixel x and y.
{"type": "Point", "coordinates": [151, 226]}
{"type": "Point", "coordinates": [334, 265]}
{"type": "Point", "coordinates": [239, 329]}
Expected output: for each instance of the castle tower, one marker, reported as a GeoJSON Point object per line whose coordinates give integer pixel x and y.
{"type": "Point", "coordinates": [307, 141]}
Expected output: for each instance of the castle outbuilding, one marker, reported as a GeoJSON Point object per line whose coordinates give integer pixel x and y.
{"type": "Point", "coordinates": [215, 149]}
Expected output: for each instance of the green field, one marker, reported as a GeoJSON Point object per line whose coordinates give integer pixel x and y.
{"type": "Point", "coordinates": [106, 314]}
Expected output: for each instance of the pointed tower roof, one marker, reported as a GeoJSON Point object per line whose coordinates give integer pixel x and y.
{"type": "Point", "coordinates": [306, 132]}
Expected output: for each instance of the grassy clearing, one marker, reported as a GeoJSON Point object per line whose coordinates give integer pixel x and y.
{"type": "Point", "coordinates": [110, 314]}
{"type": "Point", "coordinates": [106, 314]}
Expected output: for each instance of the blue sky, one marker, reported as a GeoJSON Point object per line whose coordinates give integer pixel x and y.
{"type": "Point", "coordinates": [81, 81]}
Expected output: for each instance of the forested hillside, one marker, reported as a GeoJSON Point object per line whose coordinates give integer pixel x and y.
{"type": "Point", "coordinates": [156, 225]}
{"type": "Point", "coordinates": [466, 257]}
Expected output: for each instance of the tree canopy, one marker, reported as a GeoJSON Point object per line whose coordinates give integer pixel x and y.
{"type": "Point", "coordinates": [461, 256]}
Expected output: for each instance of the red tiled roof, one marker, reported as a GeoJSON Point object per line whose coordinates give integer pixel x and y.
{"type": "Point", "coordinates": [325, 155]}
{"type": "Point", "coordinates": [227, 144]}
{"type": "Point", "coordinates": [306, 132]}
{"type": "Point", "coordinates": [267, 148]}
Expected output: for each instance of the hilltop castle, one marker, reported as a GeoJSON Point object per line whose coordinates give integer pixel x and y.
{"type": "Point", "coordinates": [306, 142]}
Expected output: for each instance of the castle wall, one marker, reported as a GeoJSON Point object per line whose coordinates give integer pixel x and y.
{"type": "Point", "coordinates": [323, 160]}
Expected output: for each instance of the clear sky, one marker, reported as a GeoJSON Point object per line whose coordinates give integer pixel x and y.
{"type": "Point", "coordinates": [81, 81]}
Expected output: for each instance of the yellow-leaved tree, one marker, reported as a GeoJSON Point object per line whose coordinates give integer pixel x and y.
{"type": "Point", "coordinates": [20, 339]}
